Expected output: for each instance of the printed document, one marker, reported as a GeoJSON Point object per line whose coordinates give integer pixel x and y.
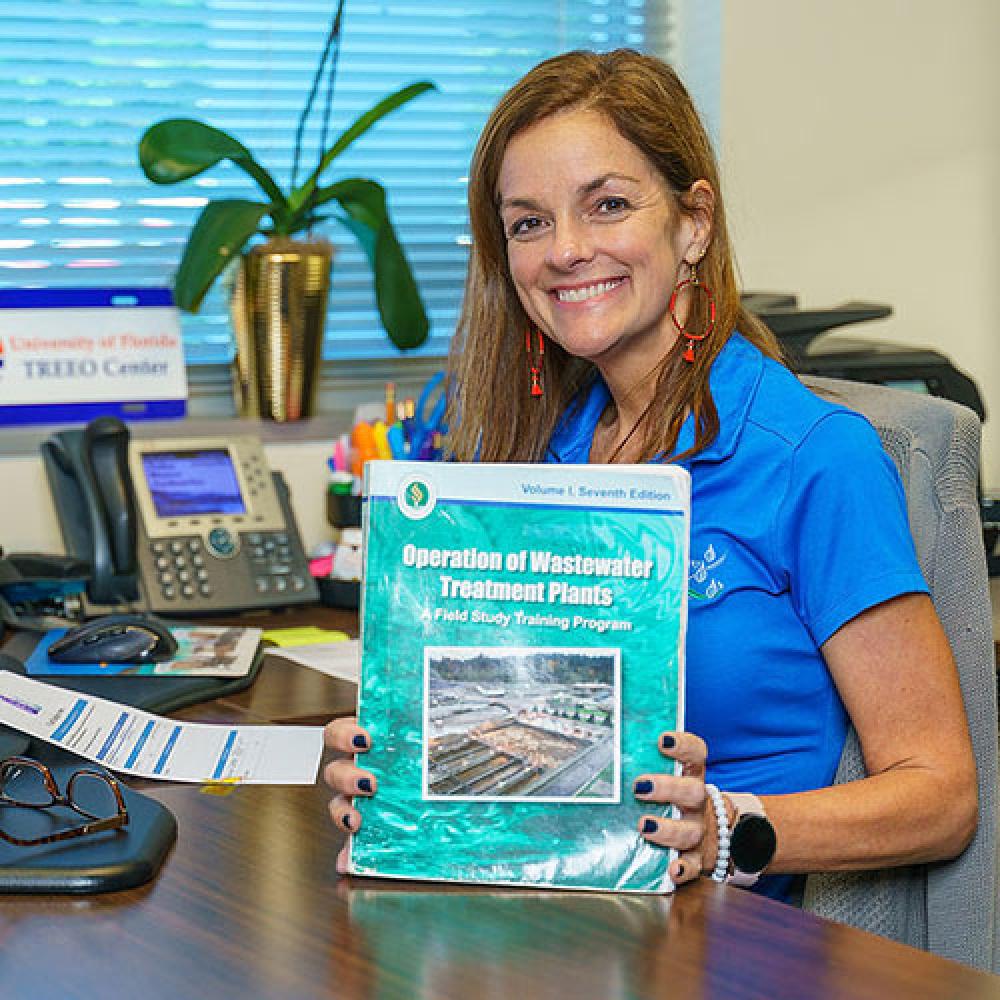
{"type": "Point", "coordinates": [133, 742]}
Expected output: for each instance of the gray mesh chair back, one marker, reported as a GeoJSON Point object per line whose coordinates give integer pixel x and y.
{"type": "Point", "coordinates": [948, 908]}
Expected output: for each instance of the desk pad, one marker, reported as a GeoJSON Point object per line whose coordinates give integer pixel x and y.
{"type": "Point", "coordinates": [104, 862]}
{"type": "Point", "coordinates": [154, 694]}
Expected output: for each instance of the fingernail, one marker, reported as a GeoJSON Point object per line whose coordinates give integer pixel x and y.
{"type": "Point", "coordinates": [680, 871]}
{"type": "Point", "coordinates": [650, 825]}
{"type": "Point", "coordinates": [365, 785]}
{"type": "Point", "coordinates": [346, 820]}
{"type": "Point", "coordinates": [643, 787]}
{"type": "Point", "coordinates": [667, 742]}
{"type": "Point", "coordinates": [360, 742]}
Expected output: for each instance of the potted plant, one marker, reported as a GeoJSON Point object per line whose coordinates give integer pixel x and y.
{"type": "Point", "coordinates": [279, 299]}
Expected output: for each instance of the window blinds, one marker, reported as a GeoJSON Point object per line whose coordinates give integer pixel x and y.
{"type": "Point", "coordinates": [81, 80]}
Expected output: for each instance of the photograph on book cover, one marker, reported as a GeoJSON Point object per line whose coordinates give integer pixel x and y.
{"type": "Point", "coordinates": [521, 724]}
{"type": "Point", "coordinates": [522, 650]}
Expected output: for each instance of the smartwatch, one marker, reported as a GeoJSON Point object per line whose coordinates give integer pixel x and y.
{"type": "Point", "coordinates": [752, 841]}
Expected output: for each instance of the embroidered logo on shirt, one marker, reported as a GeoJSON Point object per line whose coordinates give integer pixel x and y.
{"type": "Point", "coordinates": [702, 585]}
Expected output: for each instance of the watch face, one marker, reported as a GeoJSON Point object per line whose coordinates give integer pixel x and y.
{"type": "Point", "coordinates": [753, 843]}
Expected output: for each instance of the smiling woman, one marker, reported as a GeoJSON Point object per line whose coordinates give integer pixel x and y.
{"type": "Point", "coordinates": [602, 324]}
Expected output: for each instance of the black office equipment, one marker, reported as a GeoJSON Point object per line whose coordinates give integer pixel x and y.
{"type": "Point", "coordinates": [41, 591]}
{"type": "Point", "coordinates": [180, 526]}
{"type": "Point", "coordinates": [802, 333]}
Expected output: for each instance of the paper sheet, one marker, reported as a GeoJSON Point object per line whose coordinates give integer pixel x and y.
{"type": "Point", "coordinates": [134, 742]}
{"type": "Point", "coordinates": [338, 659]}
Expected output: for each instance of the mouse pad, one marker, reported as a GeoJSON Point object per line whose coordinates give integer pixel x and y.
{"type": "Point", "coordinates": [201, 651]}
{"type": "Point", "coordinates": [103, 862]}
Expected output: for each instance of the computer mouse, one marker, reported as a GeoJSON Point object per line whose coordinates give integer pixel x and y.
{"type": "Point", "coordinates": [132, 638]}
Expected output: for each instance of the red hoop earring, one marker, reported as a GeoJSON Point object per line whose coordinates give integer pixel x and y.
{"type": "Point", "coordinates": [692, 338]}
{"type": "Point", "coordinates": [535, 364]}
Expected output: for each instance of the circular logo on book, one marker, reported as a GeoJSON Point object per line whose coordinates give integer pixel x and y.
{"type": "Point", "coordinates": [416, 497]}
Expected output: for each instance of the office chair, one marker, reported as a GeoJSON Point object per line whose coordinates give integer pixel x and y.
{"type": "Point", "coordinates": [948, 908]}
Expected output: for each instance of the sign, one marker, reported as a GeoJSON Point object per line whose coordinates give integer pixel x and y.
{"type": "Point", "coordinates": [72, 354]}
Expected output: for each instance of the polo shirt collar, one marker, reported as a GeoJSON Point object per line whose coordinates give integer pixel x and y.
{"type": "Point", "coordinates": [734, 378]}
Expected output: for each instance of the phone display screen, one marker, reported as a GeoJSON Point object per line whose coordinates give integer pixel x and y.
{"type": "Point", "coordinates": [192, 483]}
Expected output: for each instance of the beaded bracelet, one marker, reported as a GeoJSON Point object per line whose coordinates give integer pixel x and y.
{"type": "Point", "coordinates": [721, 871]}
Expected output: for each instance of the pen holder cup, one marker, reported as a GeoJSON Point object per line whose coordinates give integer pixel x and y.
{"type": "Point", "coordinates": [343, 510]}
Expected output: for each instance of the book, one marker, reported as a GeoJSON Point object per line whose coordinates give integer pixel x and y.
{"type": "Point", "coordinates": [522, 638]}
{"type": "Point", "coordinates": [202, 651]}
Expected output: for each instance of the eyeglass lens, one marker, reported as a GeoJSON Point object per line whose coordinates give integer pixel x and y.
{"type": "Point", "coordinates": [23, 784]}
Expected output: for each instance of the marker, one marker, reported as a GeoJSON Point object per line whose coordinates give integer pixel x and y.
{"type": "Point", "coordinates": [397, 441]}
{"type": "Point", "coordinates": [363, 438]}
{"type": "Point", "coordinates": [381, 435]}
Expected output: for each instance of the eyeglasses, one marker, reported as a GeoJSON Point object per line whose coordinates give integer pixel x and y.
{"type": "Point", "coordinates": [29, 784]}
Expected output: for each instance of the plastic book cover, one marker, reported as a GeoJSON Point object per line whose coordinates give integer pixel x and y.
{"type": "Point", "coordinates": [522, 637]}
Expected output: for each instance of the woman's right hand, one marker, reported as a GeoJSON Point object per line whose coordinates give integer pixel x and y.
{"type": "Point", "coordinates": [344, 778]}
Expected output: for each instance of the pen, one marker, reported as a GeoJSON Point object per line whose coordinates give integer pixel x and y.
{"type": "Point", "coordinates": [390, 402]}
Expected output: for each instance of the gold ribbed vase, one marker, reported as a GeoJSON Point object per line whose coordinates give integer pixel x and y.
{"type": "Point", "coordinates": [278, 306]}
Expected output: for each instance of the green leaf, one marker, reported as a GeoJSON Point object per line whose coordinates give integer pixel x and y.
{"type": "Point", "coordinates": [178, 148]}
{"type": "Point", "coordinates": [302, 196]}
{"type": "Point", "coordinates": [220, 234]}
{"type": "Point", "coordinates": [396, 294]}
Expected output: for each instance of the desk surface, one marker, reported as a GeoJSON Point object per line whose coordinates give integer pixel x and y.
{"type": "Point", "coordinates": [248, 905]}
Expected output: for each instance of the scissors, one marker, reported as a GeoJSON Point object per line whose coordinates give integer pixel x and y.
{"type": "Point", "coordinates": [428, 417]}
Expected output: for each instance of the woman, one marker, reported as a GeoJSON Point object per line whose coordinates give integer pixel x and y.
{"type": "Point", "coordinates": [602, 323]}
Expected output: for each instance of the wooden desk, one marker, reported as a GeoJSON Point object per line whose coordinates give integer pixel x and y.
{"type": "Point", "coordinates": [248, 905]}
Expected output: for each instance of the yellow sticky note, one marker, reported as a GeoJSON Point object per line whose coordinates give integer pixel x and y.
{"type": "Point", "coordinates": [306, 635]}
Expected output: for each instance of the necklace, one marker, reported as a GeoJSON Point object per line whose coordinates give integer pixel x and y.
{"type": "Point", "coordinates": [620, 447]}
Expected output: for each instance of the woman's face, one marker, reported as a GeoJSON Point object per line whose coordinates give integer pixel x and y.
{"type": "Point", "coordinates": [595, 243]}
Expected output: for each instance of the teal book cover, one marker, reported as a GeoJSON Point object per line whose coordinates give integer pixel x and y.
{"type": "Point", "coordinates": [522, 648]}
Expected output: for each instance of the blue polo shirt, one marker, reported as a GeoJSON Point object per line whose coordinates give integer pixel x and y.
{"type": "Point", "coordinates": [798, 524]}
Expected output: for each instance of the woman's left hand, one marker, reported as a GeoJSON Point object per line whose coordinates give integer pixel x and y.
{"type": "Point", "coordinates": [693, 834]}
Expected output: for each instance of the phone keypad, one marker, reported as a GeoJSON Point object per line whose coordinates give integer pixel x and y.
{"type": "Point", "coordinates": [273, 564]}
{"type": "Point", "coordinates": [182, 566]}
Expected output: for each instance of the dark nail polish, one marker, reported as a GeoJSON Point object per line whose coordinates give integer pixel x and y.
{"type": "Point", "coordinates": [650, 826]}
{"type": "Point", "coordinates": [680, 871]}
{"type": "Point", "coordinates": [346, 820]}
{"type": "Point", "coordinates": [365, 785]}
{"type": "Point", "coordinates": [360, 742]}
{"type": "Point", "coordinates": [668, 742]}
{"type": "Point", "coordinates": [643, 787]}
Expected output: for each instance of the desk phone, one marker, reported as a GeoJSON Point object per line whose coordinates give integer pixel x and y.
{"type": "Point", "coordinates": [181, 525]}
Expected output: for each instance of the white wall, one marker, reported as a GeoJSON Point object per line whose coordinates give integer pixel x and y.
{"type": "Point", "coordinates": [861, 157]}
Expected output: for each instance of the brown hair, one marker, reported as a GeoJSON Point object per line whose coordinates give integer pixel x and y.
{"type": "Point", "coordinates": [492, 415]}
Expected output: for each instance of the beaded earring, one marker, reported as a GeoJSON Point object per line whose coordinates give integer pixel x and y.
{"type": "Point", "coordinates": [535, 362]}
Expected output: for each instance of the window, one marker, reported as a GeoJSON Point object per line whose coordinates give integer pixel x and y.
{"type": "Point", "coordinates": [83, 79]}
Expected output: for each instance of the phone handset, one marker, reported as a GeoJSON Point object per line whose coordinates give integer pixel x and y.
{"type": "Point", "coordinates": [95, 501]}
{"type": "Point", "coordinates": [105, 448]}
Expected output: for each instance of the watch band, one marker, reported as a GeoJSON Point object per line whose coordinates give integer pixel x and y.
{"type": "Point", "coordinates": [745, 804]}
